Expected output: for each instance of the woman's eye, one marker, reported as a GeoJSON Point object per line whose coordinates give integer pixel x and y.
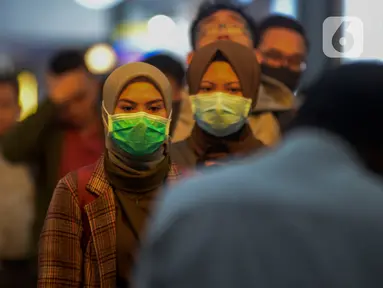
{"type": "Point", "coordinates": [127, 108]}
{"type": "Point", "coordinates": [155, 108]}
{"type": "Point", "coordinates": [234, 90]}
{"type": "Point", "coordinates": [205, 89]}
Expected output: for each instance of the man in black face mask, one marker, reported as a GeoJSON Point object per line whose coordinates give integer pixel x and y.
{"type": "Point", "coordinates": [282, 49]}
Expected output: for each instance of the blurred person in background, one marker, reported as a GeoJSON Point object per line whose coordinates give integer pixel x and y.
{"type": "Point", "coordinates": [308, 214]}
{"type": "Point", "coordinates": [9, 105]}
{"type": "Point", "coordinates": [215, 22]}
{"type": "Point", "coordinates": [97, 214]}
{"type": "Point", "coordinates": [223, 80]}
{"type": "Point", "coordinates": [175, 71]}
{"type": "Point", "coordinates": [17, 198]}
{"type": "Point", "coordinates": [282, 52]}
{"type": "Point", "coordinates": [64, 134]}
{"type": "Point", "coordinates": [282, 49]}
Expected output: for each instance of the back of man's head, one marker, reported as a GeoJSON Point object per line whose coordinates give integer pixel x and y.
{"type": "Point", "coordinates": [66, 61]}
{"type": "Point", "coordinates": [347, 101]}
{"type": "Point", "coordinates": [169, 65]}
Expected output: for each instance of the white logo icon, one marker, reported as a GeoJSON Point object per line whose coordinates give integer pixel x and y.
{"type": "Point", "coordinates": [343, 37]}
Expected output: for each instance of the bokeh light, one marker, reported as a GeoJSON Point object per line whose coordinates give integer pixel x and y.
{"type": "Point", "coordinates": [28, 96]}
{"type": "Point", "coordinates": [98, 4]}
{"type": "Point", "coordinates": [100, 59]}
{"type": "Point", "coordinates": [160, 27]}
{"type": "Point", "coordinates": [286, 7]}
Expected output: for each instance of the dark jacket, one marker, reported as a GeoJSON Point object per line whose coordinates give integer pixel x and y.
{"type": "Point", "coordinates": [37, 141]}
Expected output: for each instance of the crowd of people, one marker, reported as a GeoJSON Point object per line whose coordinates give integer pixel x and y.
{"type": "Point", "coordinates": [220, 174]}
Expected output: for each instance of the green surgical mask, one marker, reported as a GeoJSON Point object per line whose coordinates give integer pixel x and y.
{"type": "Point", "coordinates": [138, 133]}
{"type": "Point", "coordinates": [220, 114]}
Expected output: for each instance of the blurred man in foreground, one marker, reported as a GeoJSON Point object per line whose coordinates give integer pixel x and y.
{"type": "Point", "coordinates": [308, 214]}
{"type": "Point", "coordinates": [17, 198]}
{"type": "Point", "coordinates": [227, 22]}
{"type": "Point", "coordinates": [64, 134]}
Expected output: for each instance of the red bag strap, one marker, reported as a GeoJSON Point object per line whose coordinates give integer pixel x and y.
{"type": "Point", "coordinates": [85, 197]}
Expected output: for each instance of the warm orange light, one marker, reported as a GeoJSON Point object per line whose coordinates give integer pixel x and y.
{"type": "Point", "coordinates": [28, 96]}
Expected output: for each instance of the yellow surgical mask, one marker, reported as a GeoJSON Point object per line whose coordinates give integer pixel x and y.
{"type": "Point", "coordinates": [220, 114]}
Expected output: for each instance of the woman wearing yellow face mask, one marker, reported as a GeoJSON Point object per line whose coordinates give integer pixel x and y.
{"type": "Point", "coordinates": [223, 79]}
{"type": "Point", "coordinates": [96, 216]}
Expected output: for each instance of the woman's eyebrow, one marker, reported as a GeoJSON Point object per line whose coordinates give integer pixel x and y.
{"type": "Point", "coordinates": [233, 82]}
{"type": "Point", "coordinates": [155, 101]}
{"type": "Point", "coordinates": [124, 100]}
{"type": "Point", "coordinates": [207, 82]}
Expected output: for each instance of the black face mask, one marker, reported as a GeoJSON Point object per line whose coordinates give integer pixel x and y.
{"type": "Point", "coordinates": [285, 75]}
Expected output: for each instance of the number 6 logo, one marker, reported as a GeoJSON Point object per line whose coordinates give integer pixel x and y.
{"type": "Point", "coordinates": [343, 37]}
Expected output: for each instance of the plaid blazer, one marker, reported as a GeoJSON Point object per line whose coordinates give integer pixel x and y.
{"type": "Point", "coordinates": [62, 261]}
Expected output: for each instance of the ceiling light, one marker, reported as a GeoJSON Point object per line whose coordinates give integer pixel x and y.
{"type": "Point", "coordinates": [98, 4]}
{"type": "Point", "coordinates": [160, 25]}
{"type": "Point", "coordinates": [100, 59]}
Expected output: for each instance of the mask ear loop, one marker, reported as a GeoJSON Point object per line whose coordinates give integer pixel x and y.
{"type": "Point", "coordinates": [107, 122]}
{"type": "Point", "coordinates": [168, 124]}
{"type": "Point", "coordinates": [168, 141]}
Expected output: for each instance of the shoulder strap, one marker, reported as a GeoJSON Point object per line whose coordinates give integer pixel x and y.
{"type": "Point", "coordinates": [83, 176]}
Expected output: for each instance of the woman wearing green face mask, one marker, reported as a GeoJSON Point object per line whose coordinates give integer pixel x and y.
{"type": "Point", "coordinates": [223, 79]}
{"type": "Point", "coordinates": [97, 214]}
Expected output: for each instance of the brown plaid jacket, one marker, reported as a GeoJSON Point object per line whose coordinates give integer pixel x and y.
{"type": "Point", "coordinates": [62, 261]}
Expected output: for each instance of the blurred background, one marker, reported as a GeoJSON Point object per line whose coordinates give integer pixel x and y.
{"type": "Point", "coordinates": [66, 132]}
{"type": "Point", "coordinates": [122, 31]}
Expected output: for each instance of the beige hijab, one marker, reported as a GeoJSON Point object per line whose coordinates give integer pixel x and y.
{"type": "Point", "coordinates": [120, 78]}
{"type": "Point", "coordinates": [113, 87]}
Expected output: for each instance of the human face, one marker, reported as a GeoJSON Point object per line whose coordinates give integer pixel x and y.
{"type": "Point", "coordinates": [224, 24]}
{"type": "Point", "coordinates": [141, 96]}
{"type": "Point", "coordinates": [83, 92]}
{"type": "Point", "coordinates": [220, 77]}
{"type": "Point", "coordinates": [281, 47]}
{"type": "Point", "coordinates": [9, 107]}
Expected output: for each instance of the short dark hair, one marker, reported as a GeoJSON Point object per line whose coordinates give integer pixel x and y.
{"type": "Point", "coordinates": [66, 60]}
{"type": "Point", "coordinates": [347, 101]}
{"type": "Point", "coordinates": [11, 79]}
{"type": "Point", "coordinates": [168, 65]}
{"type": "Point", "coordinates": [281, 21]}
{"type": "Point", "coordinates": [207, 9]}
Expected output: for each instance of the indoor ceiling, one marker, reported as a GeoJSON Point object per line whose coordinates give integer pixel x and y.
{"type": "Point", "coordinates": [48, 21]}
